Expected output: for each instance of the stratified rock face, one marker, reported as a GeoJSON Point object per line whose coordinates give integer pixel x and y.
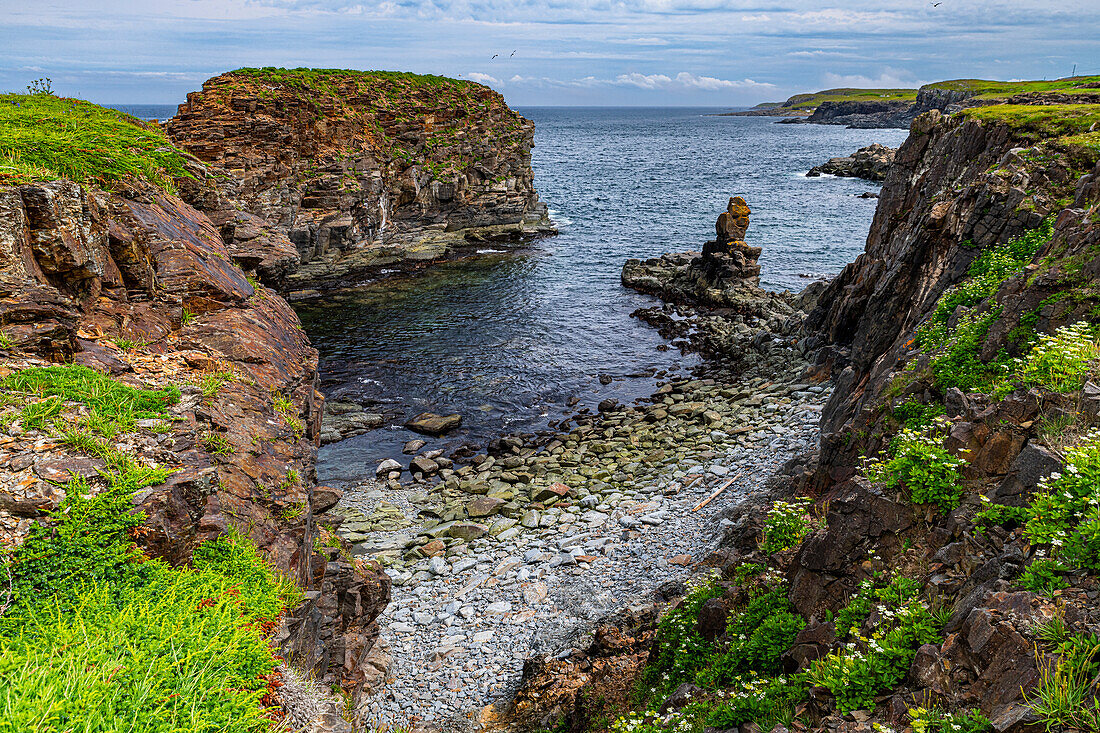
{"type": "Point", "coordinates": [958, 186]}
{"type": "Point", "coordinates": [139, 285]}
{"type": "Point", "coordinates": [871, 163]}
{"type": "Point", "coordinates": [865, 115]}
{"type": "Point", "coordinates": [321, 176]}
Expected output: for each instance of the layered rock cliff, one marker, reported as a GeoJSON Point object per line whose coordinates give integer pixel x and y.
{"type": "Point", "coordinates": [933, 567]}
{"type": "Point", "coordinates": [318, 177]}
{"type": "Point", "coordinates": [120, 275]}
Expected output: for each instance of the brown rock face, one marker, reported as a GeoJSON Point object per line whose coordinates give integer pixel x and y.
{"type": "Point", "coordinates": [341, 173]}
{"type": "Point", "coordinates": [728, 259]}
{"type": "Point", "coordinates": [725, 274]}
{"type": "Point", "coordinates": [83, 272]}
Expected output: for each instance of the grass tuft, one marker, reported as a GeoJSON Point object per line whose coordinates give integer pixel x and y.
{"type": "Point", "coordinates": [44, 138]}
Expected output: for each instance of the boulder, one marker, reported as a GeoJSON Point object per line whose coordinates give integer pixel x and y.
{"type": "Point", "coordinates": [429, 423]}
{"type": "Point", "coordinates": [424, 465]}
{"type": "Point", "coordinates": [413, 447]}
{"type": "Point", "coordinates": [387, 466]}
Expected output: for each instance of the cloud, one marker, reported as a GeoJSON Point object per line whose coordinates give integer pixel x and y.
{"type": "Point", "coordinates": [640, 41]}
{"type": "Point", "coordinates": [685, 80]}
{"type": "Point", "coordinates": [482, 78]}
{"type": "Point", "coordinates": [887, 79]}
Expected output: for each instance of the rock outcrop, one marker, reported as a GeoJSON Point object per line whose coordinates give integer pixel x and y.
{"type": "Point", "coordinates": [139, 285]}
{"type": "Point", "coordinates": [725, 274]}
{"type": "Point", "coordinates": [863, 114]}
{"type": "Point", "coordinates": [1001, 215]}
{"type": "Point", "coordinates": [317, 178]}
{"type": "Point", "coordinates": [871, 163]}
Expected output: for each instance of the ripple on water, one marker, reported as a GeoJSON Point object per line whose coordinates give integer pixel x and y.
{"type": "Point", "coordinates": [506, 338]}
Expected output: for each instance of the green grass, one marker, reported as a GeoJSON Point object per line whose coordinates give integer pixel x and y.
{"type": "Point", "coordinates": [100, 638]}
{"type": "Point", "coordinates": [107, 399]}
{"type": "Point", "coordinates": [45, 138]}
{"type": "Point", "coordinates": [813, 100]}
{"type": "Point", "coordinates": [987, 89]}
{"type": "Point", "coordinates": [325, 79]}
{"type": "Point", "coordinates": [980, 88]}
{"type": "Point", "coordinates": [1039, 121]}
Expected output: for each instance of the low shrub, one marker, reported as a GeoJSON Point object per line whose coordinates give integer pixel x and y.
{"type": "Point", "coordinates": [1064, 513]}
{"type": "Point", "coordinates": [931, 720]}
{"type": "Point", "coordinates": [682, 650]}
{"type": "Point", "coordinates": [864, 666]}
{"type": "Point", "coordinates": [919, 463]}
{"type": "Point", "coordinates": [787, 524]}
{"type": "Point", "coordinates": [1061, 361]}
{"type": "Point", "coordinates": [1044, 575]}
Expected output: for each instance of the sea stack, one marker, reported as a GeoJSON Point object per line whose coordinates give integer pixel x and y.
{"type": "Point", "coordinates": [728, 260]}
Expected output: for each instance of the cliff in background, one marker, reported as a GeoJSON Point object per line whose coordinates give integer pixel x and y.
{"type": "Point", "coordinates": [318, 177]}
{"type": "Point", "coordinates": [897, 108]}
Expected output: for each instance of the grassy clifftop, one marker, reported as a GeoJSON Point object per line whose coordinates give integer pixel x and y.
{"type": "Point", "coordinates": [981, 89]}
{"type": "Point", "coordinates": [44, 138]}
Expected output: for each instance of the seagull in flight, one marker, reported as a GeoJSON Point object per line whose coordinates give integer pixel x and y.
{"type": "Point", "coordinates": [494, 56]}
{"type": "Point", "coordinates": [936, 5]}
{"type": "Point", "coordinates": [511, 54]}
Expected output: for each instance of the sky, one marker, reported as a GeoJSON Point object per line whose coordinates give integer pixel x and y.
{"type": "Point", "coordinates": [715, 53]}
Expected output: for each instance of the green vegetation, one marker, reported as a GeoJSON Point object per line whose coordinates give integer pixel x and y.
{"type": "Point", "coordinates": [105, 397]}
{"type": "Point", "coordinates": [931, 720]}
{"type": "Point", "coordinates": [1065, 696]}
{"type": "Point", "coordinates": [1064, 514]}
{"type": "Point", "coordinates": [786, 525]}
{"type": "Point", "coordinates": [327, 79]}
{"type": "Point", "coordinates": [1045, 576]}
{"type": "Point", "coordinates": [867, 665]}
{"type": "Point", "coordinates": [1039, 122]}
{"type": "Point", "coordinates": [741, 673]}
{"type": "Point", "coordinates": [44, 138]}
{"type": "Point", "coordinates": [986, 89]}
{"type": "Point", "coordinates": [98, 635]}
{"type": "Point", "coordinates": [980, 89]}
{"type": "Point", "coordinates": [811, 101]}
{"type": "Point", "coordinates": [217, 444]}
{"type": "Point", "coordinates": [918, 462]}
{"type": "Point", "coordinates": [956, 362]}
{"type": "Point", "coordinates": [1061, 361]}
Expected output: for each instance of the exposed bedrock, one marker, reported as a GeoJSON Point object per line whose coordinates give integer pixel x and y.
{"type": "Point", "coordinates": [318, 178]}
{"type": "Point", "coordinates": [871, 163]}
{"type": "Point", "coordinates": [139, 285]}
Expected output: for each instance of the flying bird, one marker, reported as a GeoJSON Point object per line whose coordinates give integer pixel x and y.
{"type": "Point", "coordinates": [936, 5]}
{"type": "Point", "coordinates": [511, 54]}
{"type": "Point", "coordinates": [494, 56]}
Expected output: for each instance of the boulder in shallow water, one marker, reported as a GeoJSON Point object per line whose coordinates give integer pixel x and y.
{"type": "Point", "coordinates": [386, 466]}
{"type": "Point", "coordinates": [429, 423]}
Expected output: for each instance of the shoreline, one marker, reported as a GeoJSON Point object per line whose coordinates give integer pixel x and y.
{"type": "Point", "coordinates": [535, 579]}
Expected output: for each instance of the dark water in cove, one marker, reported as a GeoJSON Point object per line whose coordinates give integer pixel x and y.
{"type": "Point", "coordinates": [505, 339]}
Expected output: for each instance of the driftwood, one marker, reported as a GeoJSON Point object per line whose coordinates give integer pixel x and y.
{"type": "Point", "coordinates": [710, 498]}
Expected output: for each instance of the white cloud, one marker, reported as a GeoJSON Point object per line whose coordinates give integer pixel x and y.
{"type": "Point", "coordinates": [888, 79]}
{"type": "Point", "coordinates": [640, 41]}
{"type": "Point", "coordinates": [482, 78]}
{"type": "Point", "coordinates": [685, 80]}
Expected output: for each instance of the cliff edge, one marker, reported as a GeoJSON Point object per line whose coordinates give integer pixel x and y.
{"type": "Point", "coordinates": [317, 177]}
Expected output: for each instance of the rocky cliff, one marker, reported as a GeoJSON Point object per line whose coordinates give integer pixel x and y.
{"type": "Point", "coordinates": [933, 566]}
{"type": "Point", "coordinates": [318, 177]}
{"type": "Point", "coordinates": [117, 274]}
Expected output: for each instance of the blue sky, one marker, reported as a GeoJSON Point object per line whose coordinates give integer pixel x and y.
{"type": "Point", "coordinates": [629, 52]}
